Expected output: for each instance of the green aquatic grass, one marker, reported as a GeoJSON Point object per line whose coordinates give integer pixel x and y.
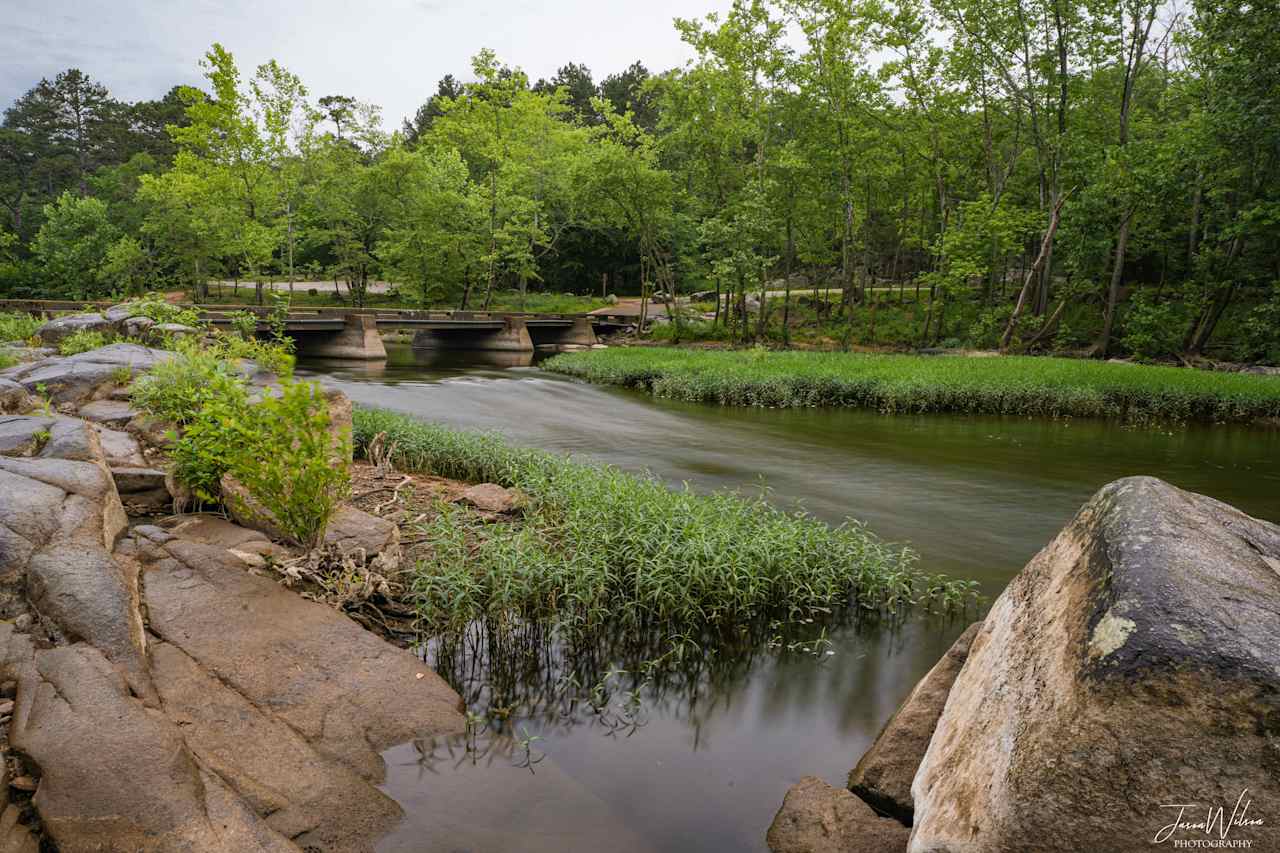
{"type": "Point", "coordinates": [1009, 385]}
{"type": "Point", "coordinates": [596, 544]}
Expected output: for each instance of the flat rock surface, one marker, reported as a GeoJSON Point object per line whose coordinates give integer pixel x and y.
{"type": "Point", "coordinates": [120, 448]}
{"type": "Point", "coordinates": [349, 693]}
{"type": "Point", "coordinates": [109, 412]}
{"type": "Point", "coordinates": [884, 774]}
{"type": "Point", "coordinates": [80, 378]}
{"type": "Point", "coordinates": [316, 801]}
{"type": "Point", "coordinates": [1134, 663]}
{"type": "Point", "coordinates": [18, 433]}
{"type": "Point", "coordinates": [817, 818]}
{"type": "Point", "coordinates": [115, 775]}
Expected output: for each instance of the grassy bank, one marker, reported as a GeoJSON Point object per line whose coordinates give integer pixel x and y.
{"type": "Point", "coordinates": [595, 544]}
{"type": "Point", "coordinates": [1048, 387]}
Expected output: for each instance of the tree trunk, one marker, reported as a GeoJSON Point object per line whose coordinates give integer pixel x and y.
{"type": "Point", "coordinates": [1046, 246]}
{"type": "Point", "coordinates": [1113, 292]}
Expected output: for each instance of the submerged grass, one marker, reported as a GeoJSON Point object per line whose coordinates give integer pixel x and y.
{"type": "Point", "coordinates": [1009, 385]}
{"type": "Point", "coordinates": [595, 545]}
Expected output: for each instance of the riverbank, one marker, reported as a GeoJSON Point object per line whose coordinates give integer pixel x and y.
{"type": "Point", "coordinates": [913, 384]}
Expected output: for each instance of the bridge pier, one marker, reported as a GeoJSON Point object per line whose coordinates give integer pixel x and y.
{"type": "Point", "coordinates": [358, 340]}
{"type": "Point", "coordinates": [579, 334]}
{"type": "Point", "coordinates": [511, 336]}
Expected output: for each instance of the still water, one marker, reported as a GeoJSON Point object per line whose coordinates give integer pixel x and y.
{"type": "Point", "coordinates": [702, 763]}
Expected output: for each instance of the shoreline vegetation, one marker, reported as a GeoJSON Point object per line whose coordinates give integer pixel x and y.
{"type": "Point", "coordinates": [595, 545]}
{"type": "Point", "coordinates": [915, 384]}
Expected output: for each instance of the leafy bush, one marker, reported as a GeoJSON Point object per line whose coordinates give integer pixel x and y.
{"type": "Point", "coordinates": [83, 340]}
{"type": "Point", "coordinates": [1152, 330]}
{"type": "Point", "coordinates": [290, 462]}
{"type": "Point", "coordinates": [271, 357]}
{"type": "Point", "coordinates": [220, 430]}
{"type": "Point", "coordinates": [18, 327]}
{"type": "Point", "coordinates": [155, 307]}
{"type": "Point", "coordinates": [279, 449]}
{"type": "Point", "coordinates": [244, 324]}
{"type": "Point", "coordinates": [1260, 332]}
{"type": "Point", "coordinates": [179, 388]}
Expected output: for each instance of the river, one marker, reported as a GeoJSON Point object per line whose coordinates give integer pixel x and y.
{"type": "Point", "coordinates": [706, 767]}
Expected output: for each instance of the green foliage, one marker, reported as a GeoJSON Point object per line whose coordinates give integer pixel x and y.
{"type": "Point", "coordinates": [244, 324]}
{"type": "Point", "coordinates": [598, 544]}
{"type": "Point", "coordinates": [278, 319]}
{"type": "Point", "coordinates": [178, 388]}
{"type": "Point", "coordinates": [83, 340]}
{"type": "Point", "coordinates": [1260, 335]}
{"type": "Point", "coordinates": [217, 433]}
{"type": "Point", "coordinates": [1011, 385]}
{"type": "Point", "coordinates": [1153, 330]}
{"type": "Point", "coordinates": [126, 266]}
{"type": "Point", "coordinates": [154, 306]}
{"type": "Point", "coordinates": [204, 391]}
{"type": "Point", "coordinates": [18, 326]}
{"type": "Point", "coordinates": [292, 465]}
{"type": "Point", "coordinates": [72, 247]}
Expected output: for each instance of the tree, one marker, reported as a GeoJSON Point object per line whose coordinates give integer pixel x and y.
{"type": "Point", "coordinates": [72, 247]}
{"type": "Point", "coordinates": [415, 128]}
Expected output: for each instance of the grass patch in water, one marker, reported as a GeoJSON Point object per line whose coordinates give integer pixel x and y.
{"type": "Point", "coordinates": [597, 545]}
{"type": "Point", "coordinates": [1008, 385]}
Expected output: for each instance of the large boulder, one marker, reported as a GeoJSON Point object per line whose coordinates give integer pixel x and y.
{"type": "Point", "coordinates": [1132, 667]}
{"type": "Point", "coordinates": [883, 777]}
{"type": "Point", "coordinates": [56, 330]}
{"type": "Point", "coordinates": [85, 376]}
{"type": "Point", "coordinates": [817, 818]}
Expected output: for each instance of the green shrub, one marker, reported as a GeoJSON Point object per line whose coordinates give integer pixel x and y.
{"type": "Point", "coordinates": [155, 307]}
{"type": "Point", "coordinates": [271, 357]}
{"type": "Point", "coordinates": [177, 389]}
{"type": "Point", "coordinates": [1260, 332]}
{"type": "Point", "coordinates": [220, 430]}
{"type": "Point", "coordinates": [290, 463]}
{"type": "Point", "coordinates": [244, 324]}
{"type": "Point", "coordinates": [83, 340]}
{"type": "Point", "coordinates": [279, 449]}
{"type": "Point", "coordinates": [1152, 330]}
{"type": "Point", "coordinates": [18, 327]}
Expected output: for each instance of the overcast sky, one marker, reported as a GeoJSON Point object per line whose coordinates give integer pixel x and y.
{"type": "Point", "coordinates": [388, 52]}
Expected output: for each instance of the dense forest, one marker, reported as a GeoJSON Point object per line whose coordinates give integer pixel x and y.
{"type": "Point", "coordinates": [1091, 176]}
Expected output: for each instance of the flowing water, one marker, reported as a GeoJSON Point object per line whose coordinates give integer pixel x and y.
{"type": "Point", "coordinates": [701, 761]}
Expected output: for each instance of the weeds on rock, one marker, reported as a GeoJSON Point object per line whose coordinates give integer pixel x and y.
{"type": "Point", "coordinates": [83, 340]}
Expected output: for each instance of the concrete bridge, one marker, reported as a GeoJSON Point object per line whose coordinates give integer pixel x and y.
{"type": "Point", "coordinates": [354, 333]}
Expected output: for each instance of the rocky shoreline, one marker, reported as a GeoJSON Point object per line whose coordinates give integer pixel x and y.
{"type": "Point", "coordinates": [1133, 664]}
{"type": "Point", "coordinates": [160, 689]}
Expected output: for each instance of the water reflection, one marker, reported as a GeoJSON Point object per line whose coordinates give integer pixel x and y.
{"type": "Point", "coordinates": [665, 741]}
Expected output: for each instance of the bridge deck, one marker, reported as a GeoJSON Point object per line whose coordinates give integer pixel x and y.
{"type": "Point", "coordinates": [330, 318]}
